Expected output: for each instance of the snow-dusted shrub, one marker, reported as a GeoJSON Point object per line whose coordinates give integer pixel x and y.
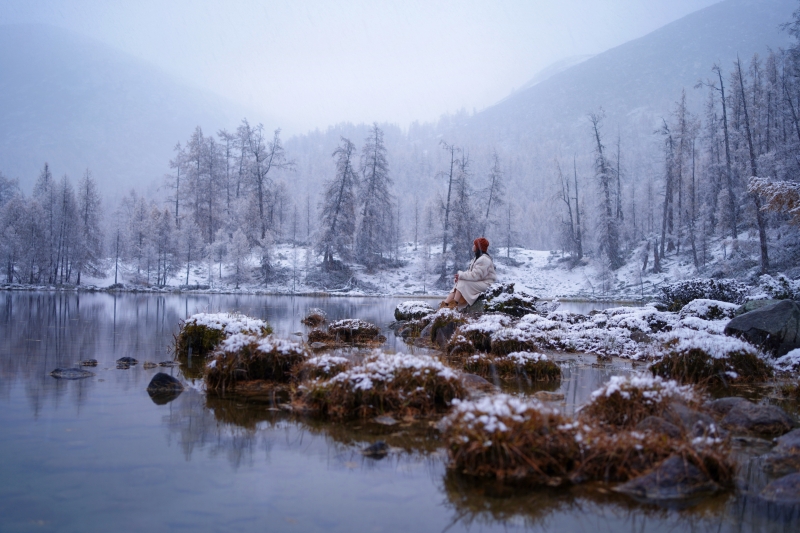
{"type": "Point", "coordinates": [412, 310]}
{"type": "Point", "coordinates": [459, 346]}
{"type": "Point", "coordinates": [534, 366]}
{"type": "Point", "coordinates": [509, 438]}
{"type": "Point", "coordinates": [646, 319]}
{"type": "Point", "coordinates": [321, 366]}
{"type": "Point", "coordinates": [479, 331]}
{"type": "Point", "coordinates": [505, 437]}
{"type": "Point", "coordinates": [314, 318]}
{"type": "Point", "coordinates": [245, 357]}
{"type": "Point", "coordinates": [444, 318]}
{"type": "Point", "coordinates": [387, 383]}
{"type": "Point", "coordinates": [566, 317]}
{"type": "Point", "coordinates": [509, 340]}
{"type": "Point", "coordinates": [201, 333]}
{"type": "Point", "coordinates": [776, 288]}
{"type": "Point", "coordinates": [515, 304]}
{"type": "Point", "coordinates": [709, 309]}
{"type": "Point", "coordinates": [676, 295]}
{"type": "Point", "coordinates": [354, 330]}
{"type": "Point", "coordinates": [701, 357]}
{"type": "Point", "coordinates": [627, 400]}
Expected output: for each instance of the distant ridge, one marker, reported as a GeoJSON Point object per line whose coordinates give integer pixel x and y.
{"type": "Point", "coordinates": [77, 103]}
{"type": "Point", "coordinates": [641, 79]}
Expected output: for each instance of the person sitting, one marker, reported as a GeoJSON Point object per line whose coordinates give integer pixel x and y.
{"type": "Point", "coordinates": [469, 284]}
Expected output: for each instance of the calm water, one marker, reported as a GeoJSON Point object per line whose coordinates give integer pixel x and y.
{"type": "Point", "coordinates": [99, 455]}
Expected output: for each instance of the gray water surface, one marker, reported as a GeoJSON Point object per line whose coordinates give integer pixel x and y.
{"type": "Point", "coordinates": [99, 455]}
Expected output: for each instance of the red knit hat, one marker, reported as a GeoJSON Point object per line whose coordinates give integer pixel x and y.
{"type": "Point", "coordinates": [481, 243]}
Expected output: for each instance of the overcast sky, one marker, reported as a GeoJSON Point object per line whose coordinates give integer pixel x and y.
{"type": "Point", "coordinates": [316, 63]}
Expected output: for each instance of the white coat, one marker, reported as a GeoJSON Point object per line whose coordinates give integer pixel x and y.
{"type": "Point", "coordinates": [476, 279]}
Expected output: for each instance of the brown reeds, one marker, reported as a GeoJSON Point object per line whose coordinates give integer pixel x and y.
{"type": "Point", "coordinates": [314, 318]}
{"type": "Point", "coordinates": [404, 385]}
{"type": "Point", "coordinates": [535, 367]}
{"type": "Point", "coordinates": [201, 334]}
{"type": "Point", "coordinates": [321, 367]}
{"type": "Point", "coordinates": [248, 358]}
{"type": "Point", "coordinates": [695, 365]}
{"type": "Point", "coordinates": [626, 401]}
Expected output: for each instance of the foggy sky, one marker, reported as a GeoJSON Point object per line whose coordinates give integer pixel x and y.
{"type": "Point", "coordinates": [317, 63]}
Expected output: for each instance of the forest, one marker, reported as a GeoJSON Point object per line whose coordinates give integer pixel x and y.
{"type": "Point", "coordinates": [716, 189]}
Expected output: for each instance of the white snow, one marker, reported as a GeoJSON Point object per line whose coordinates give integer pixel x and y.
{"type": "Point", "coordinates": [269, 344]}
{"type": "Point", "coordinates": [790, 361]}
{"type": "Point", "coordinates": [717, 346]}
{"type": "Point", "coordinates": [654, 389]}
{"type": "Point", "coordinates": [230, 323]}
{"type": "Point", "coordinates": [381, 367]}
{"type": "Point", "coordinates": [702, 308]}
{"type": "Point", "coordinates": [491, 413]}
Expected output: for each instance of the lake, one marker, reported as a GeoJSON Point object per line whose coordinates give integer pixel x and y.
{"type": "Point", "coordinates": [99, 455]}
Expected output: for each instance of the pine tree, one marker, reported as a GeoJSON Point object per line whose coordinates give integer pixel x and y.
{"type": "Point", "coordinates": [338, 216]}
{"type": "Point", "coordinates": [374, 231]}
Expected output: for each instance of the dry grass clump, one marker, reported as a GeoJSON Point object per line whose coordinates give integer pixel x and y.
{"type": "Point", "coordinates": [479, 332]}
{"type": "Point", "coordinates": [534, 366]}
{"type": "Point", "coordinates": [505, 437]}
{"type": "Point", "coordinates": [314, 318]}
{"type": "Point", "coordinates": [386, 383]}
{"type": "Point", "coordinates": [700, 357]}
{"type": "Point", "coordinates": [512, 439]}
{"type": "Point", "coordinates": [510, 340]}
{"type": "Point", "coordinates": [627, 400]}
{"type": "Point", "coordinates": [321, 367]}
{"type": "Point", "coordinates": [201, 333]}
{"type": "Point", "coordinates": [459, 347]}
{"type": "Point", "coordinates": [443, 318]}
{"type": "Point", "coordinates": [244, 357]}
{"type": "Point", "coordinates": [354, 330]}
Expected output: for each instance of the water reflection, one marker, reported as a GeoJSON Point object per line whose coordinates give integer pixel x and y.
{"type": "Point", "coordinates": [99, 454]}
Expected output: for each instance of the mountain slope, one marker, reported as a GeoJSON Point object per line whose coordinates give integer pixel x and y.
{"type": "Point", "coordinates": [79, 104]}
{"type": "Point", "coordinates": [643, 78]}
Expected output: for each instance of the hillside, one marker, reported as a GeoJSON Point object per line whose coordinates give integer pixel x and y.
{"type": "Point", "coordinates": [76, 103]}
{"type": "Point", "coordinates": [641, 79]}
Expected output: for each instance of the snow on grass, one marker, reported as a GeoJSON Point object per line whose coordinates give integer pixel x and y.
{"type": "Point", "coordinates": [708, 309]}
{"type": "Point", "coordinates": [270, 344]}
{"type": "Point", "coordinates": [414, 309]}
{"type": "Point", "coordinates": [716, 346]}
{"type": "Point", "coordinates": [653, 389]}
{"type": "Point", "coordinates": [790, 361]}
{"type": "Point", "coordinates": [230, 323]}
{"type": "Point", "coordinates": [382, 367]}
{"type": "Point", "coordinates": [491, 414]}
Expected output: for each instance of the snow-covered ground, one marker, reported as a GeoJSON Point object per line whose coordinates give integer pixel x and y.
{"type": "Point", "coordinates": [542, 273]}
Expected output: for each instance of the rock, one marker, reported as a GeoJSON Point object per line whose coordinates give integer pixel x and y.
{"type": "Point", "coordinates": [475, 383]}
{"type": "Point", "coordinates": [547, 396]}
{"type": "Point", "coordinates": [169, 363]}
{"type": "Point", "coordinates": [517, 304]}
{"type": "Point", "coordinates": [443, 334]}
{"type": "Point", "coordinates": [783, 490]}
{"type": "Point", "coordinates": [127, 361]}
{"type": "Point", "coordinates": [761, 419]}
{"type": "Point", "coordinates": [674, 479]}
{"type": "Point", "coordinates": [752, 305]}
{"type": "Point", "coordinates": [722, 406]}
{"type": "Point", "coordinates": [641, 337]}
{"type": "Point", "coordinates": [89, 362]}
{"type": "Point", "coordinates": [412, 310]}
{"type": "Point", "coordinates": [708, 309]}
{"type": "Point", "coordinates": [695, 423]}
{"type": "Point", "coordinates": [318, 345]}
{"type": "Point", "coordinates": [162, 382]}
{"type": "Point", "coordinates": [149, 364]}
{"type": "Point", "coordinates": [658, 425]}
{"type": "Point", "coordinates": [426, 331]}
{"type": "Point", "coordinates": [71, 373]}
{"type": "Point", "coordinates": [164, 388]}
{"type": "Point", "coordinates": [785, 457]}
{"type": "Point", "coordinates": [774, 328]}
{"type": "Point", "coordinates": [384, 420]}
{"type": "Point", "coordinates": [377, 450]}
{"type": "Point", "coordinates": [354, 330]}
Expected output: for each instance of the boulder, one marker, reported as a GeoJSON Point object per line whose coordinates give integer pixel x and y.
{"type": "Point", "coordinates": [785, 457]}
{"type": "Point", "coordinates": [476, 385]}
{"type": "Point", "coordinates": [752, 305]}
{"type": "Point", "coordinates": [127, 361]}
{"type": "Point", "coordinates": [674, 479]}
{"type": "Point", "coordinates": [660, 426]}
{"type": "Point", "coordinates": [377, 450]}
{"type": "Point", "coordinates": [89, 362]}
{"type": "Point", "coordinates": [547, 396]}
{"type": "Point", "coordinates": [761, 419]}
{"type": "Point", "coordinates": [694, 423]}
{"type": "Point", "coordinates": [722, 406]}
{"type": "Point", "coordinates": [775, 328]}
{"type": "Point", "coordinates": [785, 490]}
{"type": "Point", "coordinates": [162, 382]}
{"type": "Point", "coordinates": [71, 373]}
{"type": "Point", "coordinates": [412, 310]}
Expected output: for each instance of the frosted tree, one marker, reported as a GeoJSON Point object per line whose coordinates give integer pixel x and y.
{"type": "Point", "coordinates": [338, 213]}
{"type": "Point", "coordinates": [90, 227]}
{"type": "Point", "coordinates": [374, 231]}
{"type": "Point", "coordinates": [450, 175]}
{"type": "Point", "coordinates": [465, 218]}
{"type": "Point", "coordinates": [604, 174]}
{"type": "Point", "coordinates": [266, 155]}
{"type": "Point", "coordinates": [238, 253]}
{"type": "Point", "coordinates": [190, 245]}
{"type": "Point", "coordinates": [495, 191]}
